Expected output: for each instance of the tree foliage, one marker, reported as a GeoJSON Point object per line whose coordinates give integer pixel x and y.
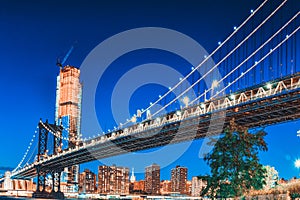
{"type": "Point", "coordinates": [234, 162]}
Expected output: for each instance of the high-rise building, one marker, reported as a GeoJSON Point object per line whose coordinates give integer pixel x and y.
{"type": "Point", "coordinates": [87, 182]}
{"type": "Point", "coordinates": [152, 179]}
{"type": "Point", "coordinates": [113, 180]}
{"type": "Point", "coordinates": [67, 114]}
{"type": "Point", "coordinates": [68, 102]}
{"type": "Point", "coordinates": [178, 179]}
{"type": "Point", "coordinates": [198, 185]}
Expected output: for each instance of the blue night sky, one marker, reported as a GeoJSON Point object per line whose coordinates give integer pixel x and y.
{"type": "Point", "coordinates": [34, 33]}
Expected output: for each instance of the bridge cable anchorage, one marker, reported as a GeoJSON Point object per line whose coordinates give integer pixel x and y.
{"type": "Point", "coordinates": [26, 152]}
{"type": "Point", "coordinates": [206, 58]}
{"type": "Point", "coordinates": [224, 58]}
{"type": "Point", "coordinates": [250, 56]}
{"type": "Point", "coordinates": [256, 63]}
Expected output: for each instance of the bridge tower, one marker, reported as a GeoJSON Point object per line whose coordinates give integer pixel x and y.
{"type": "Point", "coordinates": [43, 148]}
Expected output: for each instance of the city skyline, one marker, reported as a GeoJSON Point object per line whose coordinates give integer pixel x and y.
{"type": "Point", "coordinates": [115, 180]}
{"type": "Point", "coordinates": [35, 72]}
{"type": "Point", "coordinates": [117, 177]}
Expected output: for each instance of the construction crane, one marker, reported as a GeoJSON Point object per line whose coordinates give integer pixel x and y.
{"type": "Point", "coordinates": [60, 63]}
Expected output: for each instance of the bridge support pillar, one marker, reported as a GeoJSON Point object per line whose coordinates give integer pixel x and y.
{"type": "Point", "coordinates": [41, 191]}
{"type": "Point", "coordinates": [41, 179]}
{"type": "Point", "coordinates": [56, 193]}
{"type": "Point", "coordinates": [53, 189]}
{"type": "Point", "coordinates": [56, 180]}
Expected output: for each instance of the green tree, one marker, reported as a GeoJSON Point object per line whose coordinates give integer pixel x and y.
{"type": "Point", "coordinates": [234, 162]}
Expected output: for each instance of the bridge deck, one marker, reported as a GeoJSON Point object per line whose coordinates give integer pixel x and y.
{"type": "Point", "coordinates": [274, 107]}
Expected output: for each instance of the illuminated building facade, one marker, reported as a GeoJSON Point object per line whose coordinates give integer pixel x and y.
{"type": "Point", "coordinates": [165, 187]}
{"type": "Point", "coordinates": [113, 180]}
{"type": "Point", "coordinates": [139, 186]}
{"type": "Point", "coordinates": [10, 184]}
{"type": "Point", "coordinates": [178, 179]}
{"type": "Point", "coordinates": [152, 179]}
{"type": "Point", "coordinates": [87, 182]}
{"type": "Point", "coordinates": [68, 114]}
{"type": "Point", "coordinates": [198, 185]}
{"type": "Point", "coordinates": [189, 188]}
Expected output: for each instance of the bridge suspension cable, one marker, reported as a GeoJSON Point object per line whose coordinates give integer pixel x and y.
{"type": "Point", "coordinates": [244, 61]}
{"type": "Point", "coordinates": [256, 63]}
{"type": "Point", "coordinates": [224, 58]}
{"type": "Point", "coordinates": [57, 134]}
{"type": "Point", "coordinates": [27, 150]}
{"type": "Point", "coordinates": [54, 133]}
{"type": "Point", "coordinates": [206, 58]}
{"type": "Point", "coordinates": [33, 154]}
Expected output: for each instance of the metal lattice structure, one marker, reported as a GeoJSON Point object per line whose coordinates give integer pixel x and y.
{"type": "Point", "coordinates": [258, 106]}
{"type": "Point", "coordinates": [43, 171]}
{"type": "Point", "coordinates": [259, 85]}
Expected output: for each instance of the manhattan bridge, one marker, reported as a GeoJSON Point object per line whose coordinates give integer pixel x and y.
{"type": "Point", "coordinates": [255, 81]}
